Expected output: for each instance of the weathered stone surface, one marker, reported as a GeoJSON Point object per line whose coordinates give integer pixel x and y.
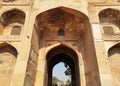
{"type": "Point", "coordinates": [35, 33]}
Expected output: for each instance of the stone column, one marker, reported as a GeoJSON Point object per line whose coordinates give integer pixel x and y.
{"type": "Point", "coordinates": [81, 70]}
{"type": "Point", "coordinates": [23, 55]}
{"type": "Point", "coordinates": [20, 67]}
{"type": "Point", "coordinates": [41, 74]}
{"type": "Point", "coordinates": [102, 59]}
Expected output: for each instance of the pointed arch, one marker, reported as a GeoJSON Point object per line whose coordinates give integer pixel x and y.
{"type": "Point", "coordinates": [114, 46]}
{"type": "Point", "coordinates": [10, 45]}
{"type": "Point", "coordinates": [13, 16]}
{"type": "Point", "coordinates": [28, 80]}
{"type": "Point", "coordinates": [110, 15]}
{"type": "Point", "coordinates": [76, 26]}
{"type": "Point", "coordinates": [10, 19]}
{"type": "Point", "coordinates": [8, 56]}
{"type": "Point", "coordinates": [61, 49]}
{"type": "Point", "coordinates": [67, 55]}
{"type": "Point", "coordinates": [67, 9]}
{"type": "Point", "coordinates": [110, 20]}
{"type": "Point", "coordinates": [55, 18]}
{"type": "Point", "coordinates": [61, 32]}
{"type": "Point", "coordinates": [114, 59]}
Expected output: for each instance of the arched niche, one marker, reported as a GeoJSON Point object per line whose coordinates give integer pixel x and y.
{"type": "Point", "coordinates": [12, 18]}
{"type": "Point", "coordinates": [8, 56]}
{"type": "Point", "coordinates": [114, 59]}
{"type": "Point", "coordinates": [28, 80]}
{"type": "Point", "coordinates": [78, 35]}
{"type": "Point", "coordinates": [110, 20]}
{"type": "Point", "coordinates": [61, 32]}
{"type": "Point", "coordinates": [50, 22]}
{"type": "Point", "coordinates": [16, 30]}
{"type": "Point", "coordinates": [64, 54]}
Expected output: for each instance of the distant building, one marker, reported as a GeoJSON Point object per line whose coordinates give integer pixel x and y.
{"type": "Point", "coordinates": [61, 83]}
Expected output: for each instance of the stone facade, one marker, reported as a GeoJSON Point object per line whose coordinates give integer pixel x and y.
{"type": "Point", "coordinates": [35, 35]}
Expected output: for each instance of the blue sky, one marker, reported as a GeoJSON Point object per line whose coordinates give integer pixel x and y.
{"type": "Point", "coordinates": [59, 70]}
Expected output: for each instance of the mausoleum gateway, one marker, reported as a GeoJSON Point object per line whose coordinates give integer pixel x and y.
{"type": "Point", "coordinates": [35, 35]}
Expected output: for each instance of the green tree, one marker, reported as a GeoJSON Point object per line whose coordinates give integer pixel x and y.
{"type": "Point", "coordinates": [69, 82]}
{"type": "Point", "coordinates": [54, 80]}
{"type": "Point", "coordinates": [68, 70]}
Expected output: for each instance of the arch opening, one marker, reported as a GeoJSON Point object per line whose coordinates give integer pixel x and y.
{"type": "Point", "coordinates": [78, 36]}
{"type": "Point", "coordinates": [55, 56]}
{"type": "Point", "coordinates": [61, 32]}
{"type": "Point", "coordinates": [16, 30]}
{"type": "Point", "coordinates": [28, 80]}
{"type": "Point", "coordinates": [110, 18]}
{"type": "Point", "coordinates": [8, 55]}
{"type": "Point", "coordinates": [61, 74]}
{"type": "Point", "coordinates": [11, 19]}
{"type": "Point", "coordinates": [61, 19]}
{"type": "Point", "coordinates": [114, 58]}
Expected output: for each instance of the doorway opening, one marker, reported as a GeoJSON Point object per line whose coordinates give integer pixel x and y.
{"type": "Point", "coordinates": [61, 74]}
{"type": "Point", "coordinates": [63, 27]}
{"type": "Point", "coordinates": [66, 55]}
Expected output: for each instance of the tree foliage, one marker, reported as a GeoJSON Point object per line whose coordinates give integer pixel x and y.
{"type": "Point", "coordinates": [68, 70]}
{"type": "Point", "coordinates": [54, 80]}
{"type": "Point", "coordinates": [69, 82]}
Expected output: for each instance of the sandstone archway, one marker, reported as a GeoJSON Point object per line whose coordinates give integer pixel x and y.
{"type": "Point", "coordinates": [66, 55]}
{"type": "Point", "coordinates": [65, 26]}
